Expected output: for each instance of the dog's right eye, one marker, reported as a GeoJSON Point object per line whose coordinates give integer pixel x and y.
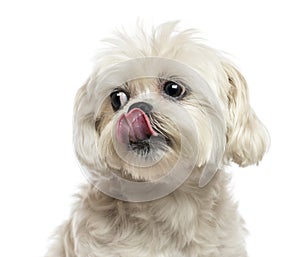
{"type": "Point", "coordinates": [118, 99]}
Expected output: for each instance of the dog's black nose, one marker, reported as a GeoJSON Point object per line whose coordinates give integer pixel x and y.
{"type": "Point", "coordinates": [145, 107]}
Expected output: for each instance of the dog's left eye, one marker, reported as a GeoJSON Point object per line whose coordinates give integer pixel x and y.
{"type": "Point", "coordinates": [173, 89]}
{"type": "Point", "coordinates": [118, 99]}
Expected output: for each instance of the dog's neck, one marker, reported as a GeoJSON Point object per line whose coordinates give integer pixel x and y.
{"type": "Point", "coordinates": [184, 210]}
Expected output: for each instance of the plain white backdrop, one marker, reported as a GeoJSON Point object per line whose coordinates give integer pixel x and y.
{"type": "Point", "coordinates": [46, 51]}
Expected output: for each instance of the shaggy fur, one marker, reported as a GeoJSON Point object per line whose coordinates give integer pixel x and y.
{"type": "Point", "coordinates": [192, 221]}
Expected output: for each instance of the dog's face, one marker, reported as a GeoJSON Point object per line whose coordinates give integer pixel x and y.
{"type": "Point", "coordinates": [161, 102]}
{"type": "Point", "coordinates": [146, 125]}
{"type": "Point", "coordinates": [136, 128]}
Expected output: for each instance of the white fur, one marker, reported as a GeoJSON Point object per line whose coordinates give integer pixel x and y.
{"type": "Point", "coordinates": [191, 221]}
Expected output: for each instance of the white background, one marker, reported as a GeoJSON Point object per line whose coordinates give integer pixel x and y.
{"type": "Point", "coordinates": [46, 48]}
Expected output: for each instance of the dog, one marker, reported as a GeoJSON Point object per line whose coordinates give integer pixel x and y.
{"type": "Point", "coordinates": [155, 126]}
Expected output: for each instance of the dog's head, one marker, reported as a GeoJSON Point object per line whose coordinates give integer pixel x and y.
{"type": "Point", "coordinates": [164, 102]}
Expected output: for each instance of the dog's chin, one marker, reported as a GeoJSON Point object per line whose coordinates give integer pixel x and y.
{"type": "Point", "coordinates": [144, 160]}
{"type": "Point", "coordinates": [150, 146]}
{"type": "Point", "coordinates": [148, 159]}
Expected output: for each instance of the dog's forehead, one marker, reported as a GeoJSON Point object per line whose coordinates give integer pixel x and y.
{"type": "Point", "coordinates": [142, 86]}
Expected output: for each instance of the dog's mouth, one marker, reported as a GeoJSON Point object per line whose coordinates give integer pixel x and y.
{"type": "Point", "coordinates": [134, 126]}
{"type": "Point", "coordinates": [136, 130]}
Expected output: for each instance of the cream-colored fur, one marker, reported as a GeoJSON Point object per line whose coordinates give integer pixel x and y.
{"type": "Point", "coordinates": [192, 221]}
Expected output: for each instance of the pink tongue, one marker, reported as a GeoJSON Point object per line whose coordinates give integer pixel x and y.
{"type": "Point", "coordinates": [134, 126]}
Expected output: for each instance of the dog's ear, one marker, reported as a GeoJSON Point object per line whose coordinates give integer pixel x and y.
{"type": "Point", "coordinates": [84, 127]}
{"type": "Point", "coordinates": [247, 138]}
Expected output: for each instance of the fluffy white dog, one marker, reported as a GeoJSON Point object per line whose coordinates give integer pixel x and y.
{"type": "Point", "coordinates": [156, 123]}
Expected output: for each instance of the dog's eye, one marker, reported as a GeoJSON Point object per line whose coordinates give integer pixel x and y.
{"type": "Point", "coordinates": [118, 99]}
{"type": "Point", "coordinates": [173, 89]}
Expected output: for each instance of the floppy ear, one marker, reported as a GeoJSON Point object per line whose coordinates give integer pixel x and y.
{"type": "Point", "coordinates": [84, 132]}
{"type": "Point", "coordinates": [247, 138]}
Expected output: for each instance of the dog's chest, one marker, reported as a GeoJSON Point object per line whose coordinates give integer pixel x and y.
{"type": "Point", "coordinates": [165, 229]}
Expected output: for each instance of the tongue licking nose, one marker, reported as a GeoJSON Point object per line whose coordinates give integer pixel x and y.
{"type": "Point", "coordinates": [134, 126]}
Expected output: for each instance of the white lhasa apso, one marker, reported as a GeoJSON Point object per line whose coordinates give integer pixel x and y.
{"type": "Point", "coordinates": [154, 126]}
